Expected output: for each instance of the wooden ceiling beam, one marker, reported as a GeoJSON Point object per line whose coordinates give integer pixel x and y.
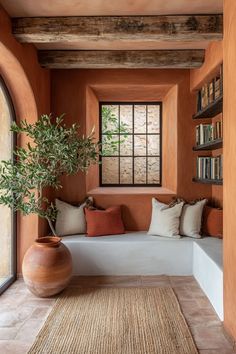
{"type": "Point", "coordinates": [117, 59]}
{"type": "Point", "coordinates": [123, 28]}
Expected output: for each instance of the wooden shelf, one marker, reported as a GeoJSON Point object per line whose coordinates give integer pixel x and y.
{"type": "Point", "coordinates": [208, 181]}
{"type": "Point", "coordinates": [212, 145]}
{"type": "Point", "coordinates": [211, 110]}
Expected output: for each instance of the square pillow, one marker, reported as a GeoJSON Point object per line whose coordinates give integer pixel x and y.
{"type": "Point", "coordinates": [212, 222]}
{"type": "Point", "coordinates": [70, 219]}
{"type": "Point", "coordinates": [104, 222]}
{"type": "Point", "coordinates": [191, 219]}
{"type": "Point", "coordinates": [165, 219]}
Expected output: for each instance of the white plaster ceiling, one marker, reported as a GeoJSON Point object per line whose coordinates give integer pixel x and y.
{"type": "Point", "coordinates": [32, 8]}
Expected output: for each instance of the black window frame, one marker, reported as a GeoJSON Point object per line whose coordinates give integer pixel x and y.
{"type": "Point", "coordinates": [133, 103]}
{"type": "Point", "coordinates": [13, 276]}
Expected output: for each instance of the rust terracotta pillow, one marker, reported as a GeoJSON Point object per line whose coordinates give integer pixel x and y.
{"type": "Point", "coordinates": [104, 222]}
{"type": "Point", "coordinates": [212, 222]}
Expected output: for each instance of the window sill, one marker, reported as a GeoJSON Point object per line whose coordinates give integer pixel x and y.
{"type": "Point", "coordinates": [131, 190]}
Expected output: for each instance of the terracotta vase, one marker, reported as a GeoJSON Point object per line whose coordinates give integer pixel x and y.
{"type": "Point", "coordinates": [47, 266]}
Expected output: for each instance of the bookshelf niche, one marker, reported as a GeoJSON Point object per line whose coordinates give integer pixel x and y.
{"type": "Point", "coordinates": [209, 136]}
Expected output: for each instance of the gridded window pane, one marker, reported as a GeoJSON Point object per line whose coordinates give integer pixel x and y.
{"type": "Point", "coordinates": [126, 117]}
{"type": "Point", "coordinates": [126, 145]}
{"type": "Point", "coordinates": [110, 170]}
{"type": "Point", "coordinates": [126, 170]}
{"type": "Point", "coordinates": [153, 119]}
{"type": "Point", "coordinates": [139, 119]}
{"type": "Point", "coordinates": [139, 145]}
{"type": "Point", "coordinates": [153, 145]}
{"type": "Point", "coordinates": [131, 136]}
{"type": "Point", "coordinates": [140, 170]}
{"type": "Point", "coordinates": [153, 170]}
{"type": "Point", "coordinates": [110, 120]}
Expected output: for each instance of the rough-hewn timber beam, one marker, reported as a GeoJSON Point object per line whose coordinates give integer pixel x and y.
{"type": "Point", "coordinates": [131, 28]}
{"type": "Point", "coordinates": [95, 59]}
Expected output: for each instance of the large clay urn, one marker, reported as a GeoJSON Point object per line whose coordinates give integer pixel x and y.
{"type": "Point", "coordinates": [47, 266]}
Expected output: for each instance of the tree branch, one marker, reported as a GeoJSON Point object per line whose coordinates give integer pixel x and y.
{"type": "Point", "coordinates": [51, 226]}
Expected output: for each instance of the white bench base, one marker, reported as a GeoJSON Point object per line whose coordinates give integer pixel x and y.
{"type": "Point", "coordinates": [208, 271]}
{"type": "Point", "coordinates": [137, 253]}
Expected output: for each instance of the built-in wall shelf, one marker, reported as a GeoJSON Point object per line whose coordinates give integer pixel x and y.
{"type": "Point", "coordinates": [212, 145]}
{"type": "Point", "coordinates": [208, 181]}
{"type": "Point", "coordinates": [211, 110]}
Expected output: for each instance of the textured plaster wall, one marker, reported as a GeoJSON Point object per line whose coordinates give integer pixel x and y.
{"type": "Point", "coordinates": [229, 166]}
{"type": "Point", "coordinates": [77, 92]}
{"type": "Point", "coordinates": [29, 87]}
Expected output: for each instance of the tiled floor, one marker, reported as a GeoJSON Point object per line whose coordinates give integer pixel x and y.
{"type": "Point", "coordinates": [22, 314]}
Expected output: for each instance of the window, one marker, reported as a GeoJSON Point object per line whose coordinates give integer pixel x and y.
{"type": "Point", "coordinates": [7, 217]}
{"type": "Point", "coordinates": [131, 143]}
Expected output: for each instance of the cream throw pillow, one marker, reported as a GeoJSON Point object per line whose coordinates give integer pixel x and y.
{"type": "Point", "coordinates": [70, 219]}
{"type": "Point", "coordinates": [191, 219]}
{"type": "Point", "coordinates": [165, 220]}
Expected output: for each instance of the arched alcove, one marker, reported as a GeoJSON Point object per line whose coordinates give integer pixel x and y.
{"type": "Point", "coordinates": [25, 107]}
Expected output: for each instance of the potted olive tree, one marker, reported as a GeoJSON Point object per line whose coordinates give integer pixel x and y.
{"type": "Point", "coordinates": [53, 150]}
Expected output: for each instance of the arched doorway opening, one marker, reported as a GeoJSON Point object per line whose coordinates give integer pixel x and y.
{"type": "Point", "coordinates": [7, 216]}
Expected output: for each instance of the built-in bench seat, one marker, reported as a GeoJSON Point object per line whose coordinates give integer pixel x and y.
{"type": "Point", "coordinates": [136, 253]}
{"type": "Point", "coordinates": [208, 270]}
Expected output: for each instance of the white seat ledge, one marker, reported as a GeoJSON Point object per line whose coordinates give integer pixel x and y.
{"type": "Point", "coordinates": [136, 253]}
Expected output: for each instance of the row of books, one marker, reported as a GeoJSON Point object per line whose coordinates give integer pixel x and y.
{"type": "Point", "coordinates": [210, 91]}
{"type": "Point", "coordinates": [210, 167]}
{"type": "Point", "coordinates": [206, 133]}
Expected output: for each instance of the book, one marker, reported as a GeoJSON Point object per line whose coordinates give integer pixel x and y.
{"type": "Point", "coordinates": [204, 96]}
{"type": "Point", "coordinates": [206, 133]}
{"type": "Point", "coordinates": [210, 167]}
{"type": "Point", "coordinates": [217, 87]}
{"type": "Point", "coordinates": [211, 91]}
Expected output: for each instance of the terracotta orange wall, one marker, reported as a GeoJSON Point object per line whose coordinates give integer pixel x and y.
{"type": "Point", "coordinates": [92, 123]}
{"type": "Point", "coordinates": [77, 92]}
{"type": "Point", "coordinates": [229, 166]}
{"type": "Point", "coordinates": [213, 59]}
{"type": "Point", "coordinates": [169, 131]}
{"type": "Point", "coordinates": [29, 86]}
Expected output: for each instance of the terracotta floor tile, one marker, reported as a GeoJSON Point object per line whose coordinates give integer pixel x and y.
{"type": "Point", "coordinates": [12, 300]}
{"type": "Point", "coordinates": [119, 281]}
{"type": "Point", "coordinates": [204, 303]}
{"type": "Point", "coordinates": [13, 317]}
{"type": "Point", "coordinates": [189, 305]}
{"type": "Point", "coordinates": [108, 281]}
{"type": "Point", "coordinates": [29, 330]}
{"type": "Point", "coordinates": [183, 280]}
{"type": "Point", "coordinates": [210, 338]}
{"type": "Point", "coordinates": [155, 280]}
{"type": "Point", "coordinates": [197, 319]}
{"type": "Point", "coordinates": [40, 313]}
{"type": "Point", "coordinates": [39, 302]}
{"type": "Point", "coordinates": [183, 294]}
{"type": "Point", "coordinates": [14, 347]}
{"type": "Point", "coordinates": [22, 314]}
{"type": "Point", "coordinates": [7, 333]}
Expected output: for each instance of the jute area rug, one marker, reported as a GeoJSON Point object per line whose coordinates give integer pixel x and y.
{"type": "Point", "coordinates": [115, 321]}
